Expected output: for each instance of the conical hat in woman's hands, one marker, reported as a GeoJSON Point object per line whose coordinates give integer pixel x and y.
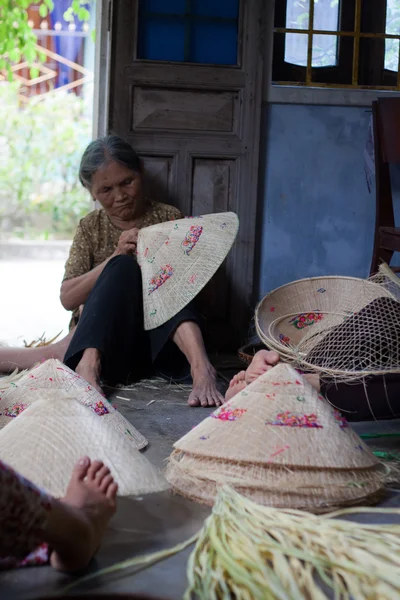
{"type": "Point", "coordinates": [279, 420]}
{"type": "Point", "coordinates": [46, 440]}
{"type": "Point", "coordinates": [53, 375]}
{"type": "Point", "coordinates": [178, 259]}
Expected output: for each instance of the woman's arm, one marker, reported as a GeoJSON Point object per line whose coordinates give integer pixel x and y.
{"type": "Point", "coordinates": [75, 290]}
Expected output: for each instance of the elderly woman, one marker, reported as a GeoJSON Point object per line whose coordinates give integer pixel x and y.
{"type": "Point", "coordinates": [102, 286]}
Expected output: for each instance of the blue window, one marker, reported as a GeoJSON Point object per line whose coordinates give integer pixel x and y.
{"type": "Point", "coordinates": [195, 31]}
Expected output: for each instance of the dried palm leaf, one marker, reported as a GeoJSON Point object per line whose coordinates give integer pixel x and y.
{"type": "Point", "coordinates": [41, 341]}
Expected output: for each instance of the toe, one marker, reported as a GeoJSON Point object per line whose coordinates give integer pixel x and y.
{"type": "Point", "coordinates": [193, 401]}
{"type": "Point", "coordinates": [112, 491]}
{"type": "Point", "coordinates": [106, 482]}
{"type": "Point", "coordinates": [204, 401]}
{"type": "Point", "coordinates": [94, 468]}
{"type": "Point", "coordinates": [272, 358]}
{"type": "Point", "coordinates": [101, 473]}
{"type": "Point", "coordinates": [81, 468]}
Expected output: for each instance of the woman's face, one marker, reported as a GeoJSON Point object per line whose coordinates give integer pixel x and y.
{"type": "Point", "coordinates": [119, 191]}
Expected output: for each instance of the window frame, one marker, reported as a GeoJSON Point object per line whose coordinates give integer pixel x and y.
{"type": "Point", "coordinates": [356, 67]}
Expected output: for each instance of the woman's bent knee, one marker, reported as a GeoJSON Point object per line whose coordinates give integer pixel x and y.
{"type": "Point", "coordinates": [124, 266]}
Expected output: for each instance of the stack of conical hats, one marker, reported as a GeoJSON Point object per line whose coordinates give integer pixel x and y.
{"type": "Point", "coordinates": [51, 417]}
{"type": "Point", "coordinates": [53, 375]}
{"type": "Point", "coordinates": [280, 443]}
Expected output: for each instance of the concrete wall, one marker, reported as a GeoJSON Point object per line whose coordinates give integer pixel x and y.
{"type": "Point", "coordinates": [316, 215]}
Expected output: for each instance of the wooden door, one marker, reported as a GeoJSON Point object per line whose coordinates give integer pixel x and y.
{"type": "Point", "coordinates": [194, 118]}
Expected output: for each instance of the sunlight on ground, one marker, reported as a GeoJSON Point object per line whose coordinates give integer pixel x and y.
{"type": "Point", "coordinates": [30, 303]}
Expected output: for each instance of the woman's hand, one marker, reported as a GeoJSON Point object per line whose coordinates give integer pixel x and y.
{"type": "Point", "coordinates": [127, 242]}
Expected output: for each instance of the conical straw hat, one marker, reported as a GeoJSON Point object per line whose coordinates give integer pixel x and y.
{"type": "Point", "coordinates": [279, 456]}
{"type": "Point", "coordinates": [279, 420]}
{"type": "Point", "coordinates": [344, 327]}
{"type": "Point", "coordinates": [178, 258]}
{"type": "Point", "coordinates": [46, 440]}
{"type": "Point", "coordinates": [313, 490]}
{"type": "Point", "coordinates": [52, 375]}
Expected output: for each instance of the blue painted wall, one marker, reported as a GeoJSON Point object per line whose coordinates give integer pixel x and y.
{"type": "Point", "coordinates": [316, 216]}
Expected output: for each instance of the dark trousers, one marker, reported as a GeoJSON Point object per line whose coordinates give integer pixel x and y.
{"type": "Point", "coordinates": [112, 322]}
{"type": "Point", "coordinates": [377, 397]}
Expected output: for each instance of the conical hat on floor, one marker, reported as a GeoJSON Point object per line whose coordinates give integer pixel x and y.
{"type": "Point", "coordinates": [280, 443]}
{"type": "Point", "coordinates": [279, 420]}
{"type": "Point", "coordinates": [45, 441]}
{"type": "Point", "coordinates": [52, 375]}
{"type": "Point", "coordinates": [178, 259]}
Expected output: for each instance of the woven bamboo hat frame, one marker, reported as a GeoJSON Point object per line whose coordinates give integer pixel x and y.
{"type": "Point", "coordinates": [342, 327]}
{"type": "Point", "coordinates": [281, 443]}
{"type": "Point", "coordinates": [53, 376]}
{"type": "Point", "coordinates": [46, 440]}
{"type": "Point", "coordinates": [178, 259]}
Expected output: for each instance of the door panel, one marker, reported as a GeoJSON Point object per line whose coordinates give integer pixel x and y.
{"type": "Point", "coordinates": [196, 126]}
{"type": "Point", "coordinates": [158, 108]}
{"type": "Point", "coordinates": [159, 175]}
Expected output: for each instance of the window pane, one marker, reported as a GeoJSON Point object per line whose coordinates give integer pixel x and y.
{"type": "Point", "coordinates": [297, 13]}
{"type": "Point", "coordinates": [216, 8]}
{"type": "Point", "coordinates": [296, 45]}
{"type": "Point", "coordinates": [199, 31]}
{"type": "Point", "coordinates": [214, 43]}
{"type": "Point", "coordinates": [393, 17]}
{"type": "Point", "coordinates": [326, 15]}
{"type": "Point", "coordinates": [393, 28]}
{"type": "Point", "coordinates": [392, 55]}
{"type": "Point", "coordinates": [325, 50]}
{"type": "Point", "coordinates": [172, 7]}
{"type": "Point", "coordinates": [161, 40]}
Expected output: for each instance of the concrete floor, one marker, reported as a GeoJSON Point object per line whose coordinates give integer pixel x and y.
{"type": "Point", "coordinates": [151, 523]}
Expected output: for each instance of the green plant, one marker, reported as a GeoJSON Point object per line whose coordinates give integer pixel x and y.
{"type": "Point", "coordinates": [18, 41]}
{"type": "Point", "coordinates": [40, 149]}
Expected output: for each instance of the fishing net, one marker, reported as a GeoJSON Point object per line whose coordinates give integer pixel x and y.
{"type": "Point", "coordinates": [341, 327]}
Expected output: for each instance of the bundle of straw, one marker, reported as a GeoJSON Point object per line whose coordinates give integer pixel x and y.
{"type": "Point", "coordinates": [248, 551]}
{"type": "Point", "coordinates": [251, 552]}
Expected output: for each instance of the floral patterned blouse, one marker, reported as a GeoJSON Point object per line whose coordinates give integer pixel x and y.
{"type": "Point", "coordinates": [96, 238]}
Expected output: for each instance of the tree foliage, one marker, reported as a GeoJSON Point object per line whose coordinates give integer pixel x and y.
{"type": "Point", "coordinates": [40, 149]}
{"type": "Point", "coordinates": [18, 41]}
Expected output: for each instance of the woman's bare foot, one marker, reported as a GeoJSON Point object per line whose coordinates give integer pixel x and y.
{"type": "Point", "coordinates": [89, 368]}
{"type": "Point", "coordinates": [205, 392]}
{"type": "Point", "coordinates": [236, 385]}
{"type": "Point", "coordinates": [77, 523]}
{"type": "Point", "coordinates": [263, 361]}
{"type": "Point", "coordinates": [26, 358]}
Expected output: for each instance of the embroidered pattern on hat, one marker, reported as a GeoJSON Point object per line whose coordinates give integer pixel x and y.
{"type": "Point", "coordinates": [306, 319]}
{"type": "Point", "coordinates": [340, 419]}
{"type": "Point", "coordinates": [191, 238]}
{"type": "Point", "coordinates": [289, 419]}
{"type": "Point", "coordinates": [160, 278]}
{"type": "Point", "coordinates": [99, 408]}
{"type": "Point", "coordinates": [228, 414]}
{"type": "Point", "coordinates": [15, 410]}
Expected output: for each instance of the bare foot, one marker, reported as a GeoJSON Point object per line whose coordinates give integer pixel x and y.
{"type": "Point", "coordinates": [91, 500]}
{"type": "Point", "coordinates": [263, 361]}
{"type": "Point", "coordinates": [89, 368]}
{"type": "Point", "coordinates": [236, 385]}
{"type": "Point", "coordinates": [205, 392]}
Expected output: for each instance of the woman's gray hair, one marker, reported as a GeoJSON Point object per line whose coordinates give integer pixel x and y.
{"type": "Point", "coordinates": [103, 150]}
